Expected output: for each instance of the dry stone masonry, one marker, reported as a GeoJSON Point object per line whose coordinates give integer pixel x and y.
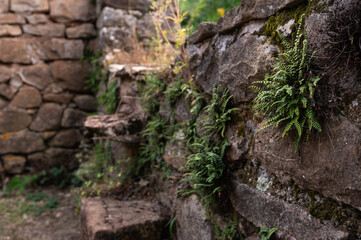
{"type": "Point", "coordinates": [43, 97]}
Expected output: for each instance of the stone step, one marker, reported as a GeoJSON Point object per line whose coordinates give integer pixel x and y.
{"type": "Point", "coordinates": [109, 219]}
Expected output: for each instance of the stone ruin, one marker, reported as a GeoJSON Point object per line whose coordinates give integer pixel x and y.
{"type": "Point", "coordinates": [271, 185]}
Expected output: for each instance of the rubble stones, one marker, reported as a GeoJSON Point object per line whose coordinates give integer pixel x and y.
{"type": "Point", "coordinates": [21, 142]}
{"type": "Point", "coordinates": [27, 97]}
{"type": "Point", "coordinates": [12, 120]}
{"type": "Point", "coordinates": [48, 117]}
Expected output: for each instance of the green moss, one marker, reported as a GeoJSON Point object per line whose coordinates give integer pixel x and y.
{"type": "Point", "coordinates": [281, 18]}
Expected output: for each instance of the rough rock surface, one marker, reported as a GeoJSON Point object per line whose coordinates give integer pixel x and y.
{"type": "Point", "coordinates": [233, 61]}
{"type": "Point", "coordinates": [14, 51]}
{"type": "Point", "coordinates": [7, 91]}
{"type": "Point", "coordinates": [10, 30]}
{"type": "Point", "coordinates": [29, 6]}
{"type": "Point", "coordinates": [67, 138]}
{"type": "Point", "coordinates": [37, 18]}
{"type": "Point", "coordinates": [27, 97]}
{"type": "Point", "coordinates": [70, 74]}
{"type": "Point", "coordinates": [192, 223]}
{"type": "Point", "coordinates": [292, 220]}
{"type": "Point", "coordinates": [11, 18]}
{"type": "Point", "coordinates": [5, 73]}
{"type": "Point", "coordinates": [14, 164]}
{"type": "Point", "coordinates": [85, 30]}
{"type": "Point", "coordinates": [73, 118]}
{"type": "Point", "coordinates": [48, 30]}
{"type": "Point", "coordinates": [4, 6]}
{"type": "Point", "coordinates": [57, 48]}
{"type": "Point", "coordinates": [12, 120]}
{"type": "Point", "coordinates": [141, 5]}
{"type": "Point", "coordinates": [86, 102]}
{"type": "Point", "coordinates": [327, 163]}
{"type": "Point", "coordinates": [53, 157]}
{"type": "Point", "coordinates": [67, 10]}
{"type": "Point", "coordinates": [64, 98]}
{"type": "Point", "coordinates": [110, 219]}
{"type": "Point", "coordinates": [36, 75]}
{"type": "Point", "coordinates": [48, 117]}
{"type": "Point", "coordinates": [21, 142]}
{"type": "Point", "coordinates": [205, 30]}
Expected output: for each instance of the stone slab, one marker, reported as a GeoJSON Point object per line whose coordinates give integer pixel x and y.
{"type": "Point", "coordinates": [14, 164]}
{"type": "Point", "coordinates": [66, 138]}
{"type": "Point", "coordinates": [47, 30]}
{"type": "Point", "coordinates": [48, 117]}
{"type": "Point", "coordinates": [11, 18]}
{"type": "Point", "coordinates": [68, 10]}
{"type": "Point", "coordinates": [14, 50]}
{"type": "Point", "coordinates": [127, 220]}
{"type": "Point", "coordinates": [37, 18]}
{"type": "Point", "coordinates": [291, 220]}
{"type": "Point", "coordinates": [21, 142]}
{"type": "Point", "coordinates": [10, 30]}
{"type": "Point", "coordinates": [27, 97]}
{"type": "Point", "coordinates": [29, 5]}
{"type": "Point", "coordinates": [36, 75]}
{"type": "Point", "coordinates": [12, 120]}
{"type": "Point", "coordinates": [73, 118]}
{"type": "Point", "coordinates": [86, 30]}
{"type": "Point", "coordinates": [4, 6]}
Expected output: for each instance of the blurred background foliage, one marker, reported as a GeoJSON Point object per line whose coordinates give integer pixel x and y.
{"type": "Point", "coordinates": [205, 11]}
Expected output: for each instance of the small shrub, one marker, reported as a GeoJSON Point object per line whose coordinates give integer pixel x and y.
{"type": "Point", "coordinates": [286, 96]}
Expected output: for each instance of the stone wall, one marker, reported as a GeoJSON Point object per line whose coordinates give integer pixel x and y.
{"type": "Point", "coordinates": [43, 94]}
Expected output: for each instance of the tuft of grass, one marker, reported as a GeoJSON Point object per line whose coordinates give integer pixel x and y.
{"type": "Point", "coordinates": [109, 98]}
{"type": "Point", "coordinates": [285, 97]}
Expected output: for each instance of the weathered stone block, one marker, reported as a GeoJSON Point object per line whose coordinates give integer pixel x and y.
{"type": "Point", "coordinates": [67, 138]}
{"type": "Point", "coordinates": [11, 18]}
{"type": "Point", "coordinates": [3, 103]}
{"type": "Point", "coordinates": [7, 91]}
{"type": "Point", "coordinates": [125, 220]}
{"type": "Point", "coordinates": [205, 30]}
{"type": "Point", "coordinates": [327, 163]}
{"type": "Point", "coordinates": [73, 118]}
{"type": "Point", "coordinates": [70, 74]}
{"type": "Point", "coordinates": [4, 6]}
{"type": "Point", "coordinates": [48, 117]}
{"type": "Point", "coordinates": [116, 37]}
{"type": "Point", "coordinates": [14, 164]}
{"type": "Point", "coordinates": [36, 75]}
{"type": "Point", "coordinates": [64, 98]}
{"type": "Point", "coordinates": [37, 18]}
{"type": "Point", "coordinates": [14, 50]}
{"type": "Point", "coordinates": [29, 6]}
{"type": "Point", "coordinates": [86, 30]}
{"type": "Point", "coordinates": [57, 48]}
{"type": "Point", "coordinates": [10, 30]}
{"type": "Point", "coordinates": [5, 73]}
{"type": "Point", "coordinates": [12, 120]}
{"type": "Point", "coordinates": [53, 157]}
{"type": "Point", "coordinates": [145, 27]}
{"type": "Point", "coordinates": [21, 142]}
{"type": "Point", "coordinates": [86, 102]}
{"type": "Point", "coordinates": [69, 10]}
{"type": "Point", "coordinates": [291, 220]}
{"type": "Point", "coordinates": [192, 222]}
{"type": "Point", "coordinates": [27, 97]}
{"type": "Point", "coordinates": [141, 5]}
{"type": "Point", "coordinates": [47, 30]}
{"type": "Point", "coordinates": [116, 18]}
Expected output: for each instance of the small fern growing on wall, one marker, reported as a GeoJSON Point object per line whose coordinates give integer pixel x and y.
{"type": "Point", "coordinates": [286, 96]}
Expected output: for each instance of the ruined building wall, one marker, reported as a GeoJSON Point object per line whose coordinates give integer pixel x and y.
{"type": "Point", "coordinates": [43, 95]}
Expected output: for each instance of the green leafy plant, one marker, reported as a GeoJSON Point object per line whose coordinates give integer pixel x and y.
{"type": "Point", "coordinates": [20, 183]}
{"type": "Point", "coordinates": [205, 166]}
{"type": "Point", "coordinates": [266, 233]}
{"type": "Point", "coordinates": [286, 96]}
{"type": "Point", "coordinates": [96, 73]}
{"type": "Point", "coordinates": [109, 98]}
{"type": "Point", "coordinates": [229, 232]}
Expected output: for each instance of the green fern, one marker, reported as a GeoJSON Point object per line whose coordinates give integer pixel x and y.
{"type": "Point", "coordinates": [286, 96]}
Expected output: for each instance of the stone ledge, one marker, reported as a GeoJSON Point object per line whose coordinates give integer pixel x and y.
{"type": "Point", "coordinates": [266, 211]}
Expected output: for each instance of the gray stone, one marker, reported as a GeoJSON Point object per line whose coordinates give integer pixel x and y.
{"type": "Point", "coordinates": [48, 117]}
{"type": "Point", "coordinates": [14, 50]}
{"type": "Point", "coordinates": [267, 211]}
{"type": "Point", "coordinates": [327, 163]}
{"type": "Point", "coordinates": [86, 102]}
{"type": "Point", "coordinates": [12, 120]}
{"type": "Point", "coordinates": [14, 164]}
{"type": "Point", "coordinates": [126, 220]}
{"type": "Point", "coordinates": [36, 75]}
{"type": "Point", "coordinates": [68, 10]}
{"type": "Point", "coordinates": [5, 73]}
{"type": "Point", "coordinates": [7, 91]}
{"type": "Point", "coordinates": [29, 6]}
{"type": "Point", "coordinates": [140, 5]}
{"type": "Point", "coordinates": [86, 30]}
{"type": "Point", "coordinates": [27, 97]}
{"type": "Point", "coordinates": [116, 18]}
{"type": "Point", "coordinates": [53, 157]}
{"type": "Point", "coordinates": [10, 30]}
{"type": "Point", "coordinates": [37, 18]}
{"type": "Point", "coordinates": [70, 75]}
{"type": "Point", "coordinates": [64, 98]}
{"type": "Point", "coordinates": [254, 10]}
{"type": "Point", "coordinates": [192, 223]}
{"type": "Point", "coordinates": [4, 6]}
{"type": "Point", "coordinates": [47, 30]}
{"type": "Point", "coordinates": [205, 30]}
{"type": "Point", "coordinates": [116, 37]}
{"type": "Point", "coordinates": [73, 118]}
{"type": "Point", "coordinates": [67, 138]}
{"type": "Point", "coordinates": [21, 142]}
{"type": "Point", "coordinates": [175, 153]}
{"type": "Point", "coordinates": [57, 48]}
{"type": "Point", "coordinates": [11, 18]}
{"type": "Point", "coordinates": [182, 111]}
{"type": "Point", "coordinates": [145, 27]}
{"type": "Point", "coordinates": [233, 62]}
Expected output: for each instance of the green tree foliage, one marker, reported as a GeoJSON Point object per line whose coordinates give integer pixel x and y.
{"type": "Point", "coordinates": [206, 10]}
{"type": "Point", "coordinates": [286, 96]}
